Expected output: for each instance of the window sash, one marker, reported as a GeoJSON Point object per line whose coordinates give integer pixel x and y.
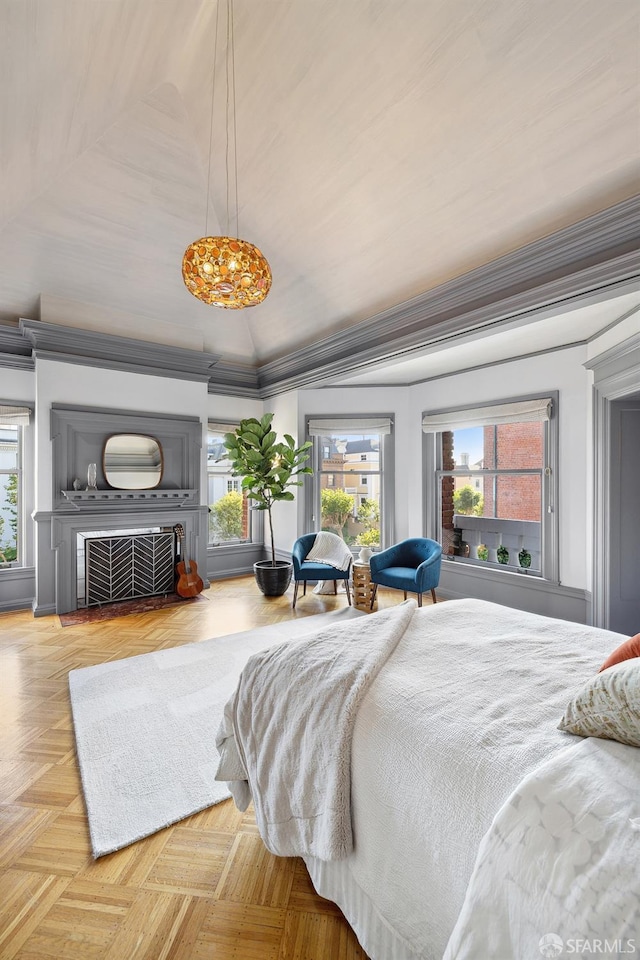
{"type": "Point", "coordinates": [216, 471]}
{"type": "Point", "coordinates": [351, 479]}
{"type": "Point", "coordinates": [549, 529]}
{"type": "Point", "coordinates": [483, 529]}
{"type": "Point", "coordinates": [18, 472]}
{"type": "Point", "coordinates": [493, 471]}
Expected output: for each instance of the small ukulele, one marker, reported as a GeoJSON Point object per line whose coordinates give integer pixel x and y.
{"type": "Point", "coordinates": [189, 584]}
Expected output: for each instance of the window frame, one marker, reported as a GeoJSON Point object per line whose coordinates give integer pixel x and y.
{"type": "Point", "coordinates": [25, 469]}
{"type": "Point", "coordinates": [18, 470]}
{"type": "Point", "coordinates": [255, 517]}
{"type": "Point", "coordinates": [312, 487]}
{"type": "Point", "coordinates": [549, 523]}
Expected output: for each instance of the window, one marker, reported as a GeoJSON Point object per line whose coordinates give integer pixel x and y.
{"type": "Point", "coordinates": [350, 454]}
{"type": "Point", "coordinates": [12, 421]}
{"type": "Point", "coordinates": [230, 514]}
{"type": "Point", "coordinates": [494, 491]}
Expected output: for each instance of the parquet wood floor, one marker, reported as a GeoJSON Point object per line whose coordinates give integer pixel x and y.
{"type": "Point", "coordinates": [203, 889]}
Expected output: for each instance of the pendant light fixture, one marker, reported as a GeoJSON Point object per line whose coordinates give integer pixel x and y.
{"type": "Point", "coordinates": [226, 271]}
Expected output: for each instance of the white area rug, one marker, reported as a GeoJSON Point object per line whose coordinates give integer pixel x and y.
{"type": "Point", "coordinates": [145, 730]}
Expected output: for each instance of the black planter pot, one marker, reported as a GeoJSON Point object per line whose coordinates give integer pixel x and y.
{"type": "Point", "coordinates": [273, 581]}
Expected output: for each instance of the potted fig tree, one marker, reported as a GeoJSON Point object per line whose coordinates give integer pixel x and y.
{"type": "Point", "coordinates": [268, 467]}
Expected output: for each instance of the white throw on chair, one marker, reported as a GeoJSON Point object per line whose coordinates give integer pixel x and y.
{"type": "Point", "coordinates": [321, 556]}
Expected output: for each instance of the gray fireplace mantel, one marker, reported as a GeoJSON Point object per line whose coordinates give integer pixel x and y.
{"type": "Point", "coordinates": [78, 436]}
{"type": "Point", "coordinates": [56, 545]}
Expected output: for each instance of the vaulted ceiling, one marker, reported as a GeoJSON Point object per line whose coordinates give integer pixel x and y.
{"type": "Point", "coordinates": [384, 148]}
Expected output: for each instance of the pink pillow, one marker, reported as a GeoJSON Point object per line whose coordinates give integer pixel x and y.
{"type": "Point", "coordinates": [630, 648]}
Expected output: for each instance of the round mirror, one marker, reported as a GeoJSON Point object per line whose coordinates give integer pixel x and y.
{"type": "Point", "coordinates": [132, 462]}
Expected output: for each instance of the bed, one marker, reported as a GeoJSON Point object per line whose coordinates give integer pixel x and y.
{"type": "Point", "coordinates": [474, 826]}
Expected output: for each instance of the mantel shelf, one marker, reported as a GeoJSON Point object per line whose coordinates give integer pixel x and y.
{"type": "Point", "coordinates": [90, 498]}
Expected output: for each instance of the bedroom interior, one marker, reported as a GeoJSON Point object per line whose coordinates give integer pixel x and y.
{"type": "Point", "coordinates": [449, 207]}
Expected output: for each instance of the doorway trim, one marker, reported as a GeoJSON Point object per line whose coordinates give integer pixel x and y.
{"type": "Point", "coordinates": [616, 375]}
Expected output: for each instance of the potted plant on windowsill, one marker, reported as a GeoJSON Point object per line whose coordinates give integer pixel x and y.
{"type": "Point", "coordinates": [267, 467]}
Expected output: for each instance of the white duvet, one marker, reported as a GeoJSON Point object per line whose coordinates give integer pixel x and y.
{"type": "Point", "coordinates": [464, 709]}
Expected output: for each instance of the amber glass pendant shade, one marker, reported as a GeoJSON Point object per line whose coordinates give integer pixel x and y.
{"type": "Point", "coordinates": [226, 272]}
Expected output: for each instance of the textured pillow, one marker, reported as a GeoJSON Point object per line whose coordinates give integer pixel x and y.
{"type": "Point", "coordinates": [630, 648]}
{"type": "Point", "coordinates": [608, 706]}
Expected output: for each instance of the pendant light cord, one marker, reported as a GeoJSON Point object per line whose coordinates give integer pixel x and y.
{"type": "Point", "coordinates": [235, 132]}
{"type": "Point", "coordinates": [213, 88]}
{"type": "Point", "coordinates": [230, 119]}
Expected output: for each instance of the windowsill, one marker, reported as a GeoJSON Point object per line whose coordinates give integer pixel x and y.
{"type": "Point", "coordinates": [490, 565]}
{"type": "Point", "coordinates": [496, 572]}
{"type": "Point", "coordinates": [218, 547]}
{"type": "Point", "coordinates": [16, 572]}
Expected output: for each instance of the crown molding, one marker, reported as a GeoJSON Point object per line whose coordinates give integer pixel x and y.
{"type": "Point", "coordinates": [53, 341]}
{"type": "Point", "coordinates": [11, 361]}
{"type": "Point", "coordinates": [592, 258]}
{"type": "Point", "coordinates": [598, 252]}
{"type": "Point", "coordinates": [623, 355]}
{"type": "Point", "coordinates": [15, 353]}
{"type": "Point", "coordinates": [235, 379]}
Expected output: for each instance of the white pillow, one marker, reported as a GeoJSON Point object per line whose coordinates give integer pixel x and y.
{"type": "Point", "coordinates": [608, 706]}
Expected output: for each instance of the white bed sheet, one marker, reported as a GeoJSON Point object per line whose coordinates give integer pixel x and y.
{"type": "Point", "coordinates": [466, 706]}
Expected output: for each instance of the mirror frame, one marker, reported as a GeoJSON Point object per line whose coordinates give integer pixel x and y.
{"type": "Point", "coordinates": [142, 436]}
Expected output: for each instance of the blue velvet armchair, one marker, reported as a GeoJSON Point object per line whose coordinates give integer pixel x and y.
{"type": "Point", "coordinates": [304, 570]}
{"type": "Point", "coordinates": [411, 565]}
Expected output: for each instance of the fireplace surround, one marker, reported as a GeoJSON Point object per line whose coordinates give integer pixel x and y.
{"type": "Point", "coordinates": [78, 436]}
{"type": "Point", "coordinates": [116, 565]}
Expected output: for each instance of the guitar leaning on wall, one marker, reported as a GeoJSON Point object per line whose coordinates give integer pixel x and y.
{"type": "Point", "coordinates": [189, 584]}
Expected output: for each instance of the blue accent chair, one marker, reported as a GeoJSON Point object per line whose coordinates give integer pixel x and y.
{"type": "Point", "coordinates": [304, 570]}
{"type": "Point", "coordinates": [411, 565]}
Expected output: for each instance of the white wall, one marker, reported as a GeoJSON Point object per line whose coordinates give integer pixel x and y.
{"type": "Point", "coordinates": [18, 385]}
{"type": "Point", "coordinates": [628, 327]}
{"type": "Point", "coordinates": [55, 382]}
{"type": "Point", "coordinates": [220, 407]}
{"type": "Point", "coordinates": [78, 385]}
{"type": "Point", "coordinates": [285, 515]}
{"type": "Point", "coordinates": [562, 371]}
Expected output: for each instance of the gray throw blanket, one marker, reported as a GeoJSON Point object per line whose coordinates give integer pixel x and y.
{"type": "Point", "coordinates": [285, 738]}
